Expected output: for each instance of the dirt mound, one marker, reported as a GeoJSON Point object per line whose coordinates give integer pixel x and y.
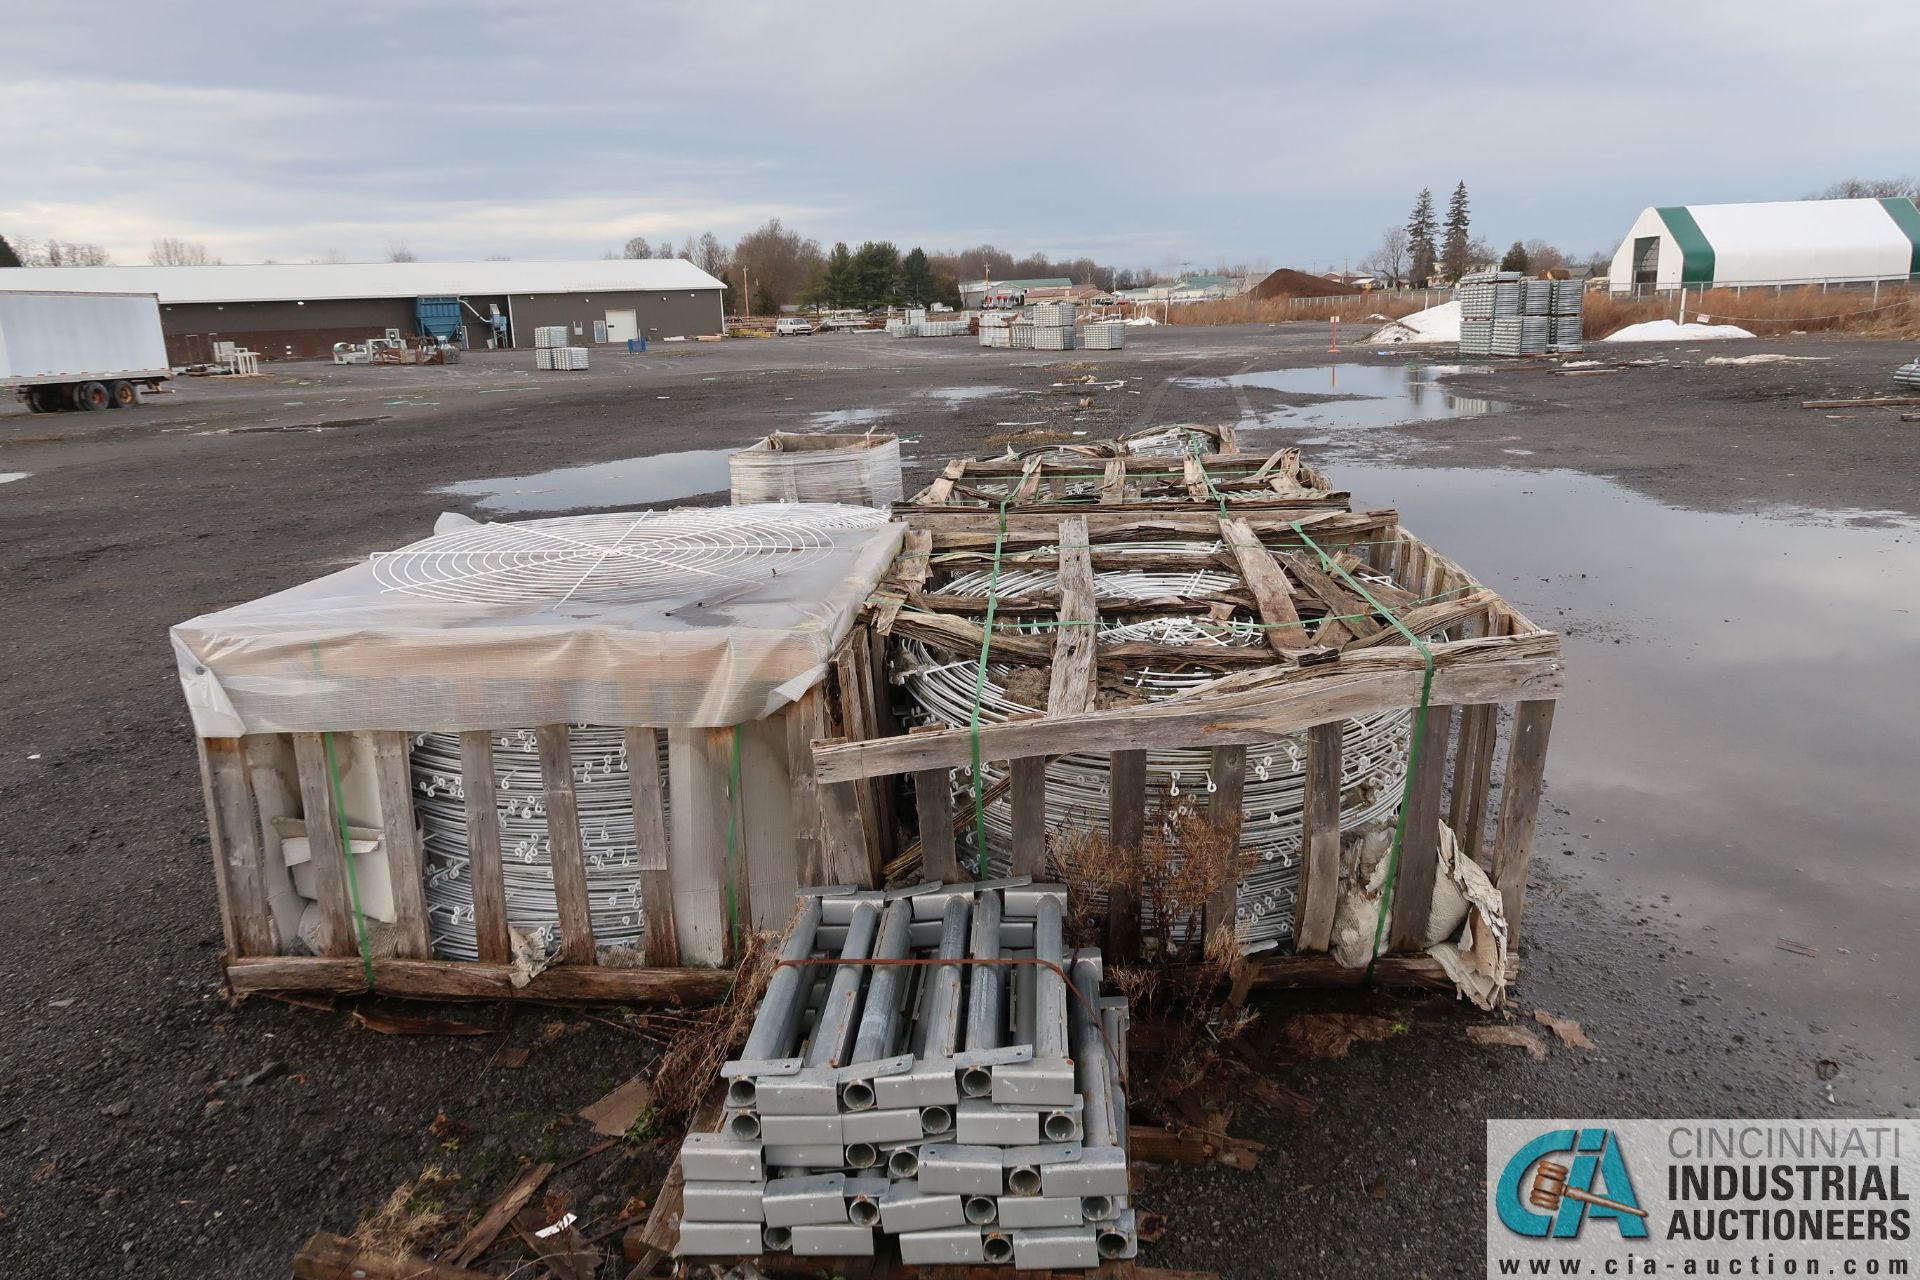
{"type": "Point", "coordinates": [1288, 283]}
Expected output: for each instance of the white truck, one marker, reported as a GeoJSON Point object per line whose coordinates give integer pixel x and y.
{"type": "Point", "coordinates": [80, 350]}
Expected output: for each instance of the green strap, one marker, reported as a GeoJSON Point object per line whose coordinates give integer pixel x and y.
{"type": "Point", "coordinates": [733, 826]}
{"type": "Point", "coordinates": [1419, 717]}
{"type": "Point", "coordinates": [353, 872]}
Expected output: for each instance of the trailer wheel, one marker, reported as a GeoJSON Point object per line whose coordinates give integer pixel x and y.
{"type": "Point", "coordinates": [48, 399]}
{"type": "Point", "coordinates": [122, 395]}
{"type": "Point", "coordinates": [91, 395]}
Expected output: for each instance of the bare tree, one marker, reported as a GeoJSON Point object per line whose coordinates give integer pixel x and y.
{"type": "Point", "coordinates": [711, 256]}
{"type": "Point", "coordinates": [1389, 258]}
{"type": "Point", "coordinates": [62, 253]}
{"type": "Point", "coordinates": [1869, 189]}
{"type": "Point", "coordinates": [634, 248]}
{"type": "Point", "coordinates": [1542, 256]}
{"type": "Point", "coordinates": [776, 260]}
{"type": "Point", "coordinates": [397, 251]}
{"type": "Point", "coordinates": [174, 252]}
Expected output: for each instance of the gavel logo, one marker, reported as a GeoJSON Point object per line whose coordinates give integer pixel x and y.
{"type": "Point", "coordinates": [1550, 1187]}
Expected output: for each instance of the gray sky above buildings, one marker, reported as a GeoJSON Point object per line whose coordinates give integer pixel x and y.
{"type": "Point", "coordinates": [1141, 134]}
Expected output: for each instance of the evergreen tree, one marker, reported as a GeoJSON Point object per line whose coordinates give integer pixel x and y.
{"type": "Point", "coordinates": [8, 258]}
{"type": "Point", "coordinates": [1456, 257]}
{"type": "Point", "coordinates": [916, 279]}
{"type": "Point", "coordinates": [1420, 229]}
{"type": "Point", "coordinates": [876, 268]}
{"type": "Point", "coordinates": [838, 288]}
{"type": "Point", "coordinates": [1516, 259]}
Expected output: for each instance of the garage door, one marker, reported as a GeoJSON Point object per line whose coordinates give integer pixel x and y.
{"type": "Point", "coordinates": [622, 325]}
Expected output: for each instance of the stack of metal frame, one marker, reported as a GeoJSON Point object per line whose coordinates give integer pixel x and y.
{"type": "Point", "coordinates": [1106, 335]}
{"type": "Point", "coordinates": [930, 1065]}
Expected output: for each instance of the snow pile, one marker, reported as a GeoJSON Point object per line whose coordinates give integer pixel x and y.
{"type": "Point", "coordinates": [1761, 358]}
{"type": "Point", "coordinates": [1673, 331]}
{"type": "Point", "coordinates": [1140, 320]}
{"type": "Point", "coordinates": [1435, 324]}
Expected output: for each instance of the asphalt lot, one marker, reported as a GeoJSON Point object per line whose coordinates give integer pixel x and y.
{"type": "Point", "coordinates": [1731, 766]}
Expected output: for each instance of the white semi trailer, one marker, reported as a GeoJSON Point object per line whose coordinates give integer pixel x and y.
{"type": "Point", "coordinates": [80, 350]}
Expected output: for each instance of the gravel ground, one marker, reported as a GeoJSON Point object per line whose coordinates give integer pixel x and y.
{"type": "Point", "coordinates": [157, 1129]}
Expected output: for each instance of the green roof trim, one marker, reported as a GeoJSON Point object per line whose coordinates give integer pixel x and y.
{"type": "Point", "coordinates": [1906, 216]}
{"type": "Point", "coordinates": [1696, 255]}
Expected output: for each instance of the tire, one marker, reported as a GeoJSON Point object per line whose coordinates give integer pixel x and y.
{"type": "Point", "coordinates": [91, 395]}
{"type": "Point", "coordinates": [122, 395]}
{"type": "Point", "coordinates": [49, 399]}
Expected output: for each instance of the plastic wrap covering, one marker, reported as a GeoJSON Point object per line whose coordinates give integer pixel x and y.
{"type": "Point", "coordinates": [707, 618]}
{"type": "Point", "coordinates": [784, 467]}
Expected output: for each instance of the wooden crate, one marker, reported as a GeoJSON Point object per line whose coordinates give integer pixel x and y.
{"type": "Point", "coordinates": [751, 846]}
{"type": "Point", "coordinates": [1309, 678]}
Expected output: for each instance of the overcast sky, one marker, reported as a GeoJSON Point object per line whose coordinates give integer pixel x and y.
{"type": "Point", "coordinates": [1143, 134]}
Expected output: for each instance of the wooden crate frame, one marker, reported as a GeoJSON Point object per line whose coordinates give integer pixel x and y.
{"type": "Point", "coordinates": [1304, 681]}
{"type": "Point", "coordinates": [779, 837]}
{"type": "Point", "coordinates": [1040, 482]}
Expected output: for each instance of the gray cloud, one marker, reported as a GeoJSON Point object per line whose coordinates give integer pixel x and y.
{"type": "Point", "coordinates": [1226, 130]}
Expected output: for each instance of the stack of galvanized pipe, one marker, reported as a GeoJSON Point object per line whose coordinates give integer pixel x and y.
{"type": "Point", "coordinates": [967, 1106]}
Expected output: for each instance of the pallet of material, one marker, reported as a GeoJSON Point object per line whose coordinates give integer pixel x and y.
{"type": "Point", "coordinates": [1307, 630]}
{"type": "Point", "coordinates": [1111, 482]}
{"type": "Point", "coordinates": [416, 793]}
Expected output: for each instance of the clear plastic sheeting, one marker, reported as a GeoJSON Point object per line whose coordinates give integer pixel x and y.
{"type": "Point", "coordinates": [708, 617]}
{"type": "Point", "coordinates": [863, 470]}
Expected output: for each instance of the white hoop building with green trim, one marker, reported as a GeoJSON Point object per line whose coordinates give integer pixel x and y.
{"type": "Point", "coordinates": [1781, 242]}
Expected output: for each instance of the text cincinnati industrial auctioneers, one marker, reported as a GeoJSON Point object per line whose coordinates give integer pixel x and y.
{"type": "Point", "coordinates": [1702, 1197]}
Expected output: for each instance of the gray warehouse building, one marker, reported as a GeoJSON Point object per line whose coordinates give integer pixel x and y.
{"type": "Point", "coordinates": [295, 311]}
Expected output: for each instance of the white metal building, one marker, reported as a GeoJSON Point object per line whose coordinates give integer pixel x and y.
{"type": "Point", "coordinates": [1780, 242]}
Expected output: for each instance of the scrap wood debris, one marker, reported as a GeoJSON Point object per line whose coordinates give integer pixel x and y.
{"type": "Point", "coordinates": [1568, 1031]}
{"type": "Point", "coordinates": [615, 1114]}
{"type": "Point", "coordinates": [1330, 1035]}
{"type": "Point", "coordinates": [484, 1232]}
{"type": "Point", "coordinates": [1517, 1037]}
{"type": "Point", "coordinates": [393, 1024]}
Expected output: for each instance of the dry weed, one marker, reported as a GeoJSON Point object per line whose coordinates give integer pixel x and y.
{"type": "Point", "coordinates": [693, 1059]}
{"type": "Point", "coordinates": [410, 1216]}
{"type": "Point", "coordinates": [1894, 314]}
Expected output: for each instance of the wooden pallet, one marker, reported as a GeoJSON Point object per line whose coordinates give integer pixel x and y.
{"type": "Point", "coordinates": [1103, 478]}
{"type": "Point", "coordinates": [1312, 675]}
{"type": "Point", "coordinates": [751, 849]}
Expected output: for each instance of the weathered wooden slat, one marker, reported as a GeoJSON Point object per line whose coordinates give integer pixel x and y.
{"type": "Point", "coordinates": [941, 490]}
{"type": "Point", "coordinates": [1429, 618]}
{"type": "Point", "coordinates": [406, 865]}
{"type": "Point", "coordinates": [972, 528]}
{"type": "Point", "coordinates": [1239, 710]}
{"type": "Point", "coordinates": [907, 578]}
{"type": "Point", "coordinates": [329, 857]}
{"type": "Point", "coordinates": [806, 720]}
{"type": "Point", "coordinates": [1030, 816]}
{"type": "Point", "coordinates": [1420, 848]}
{"type": "Point", "coordinates": [1473, 776]}
{"type": "Point", "coordinates": [1030, 476]}
{"type": "Point", "coordinates": [851, 677]}
{"type": "Point", "coordinates": [1113, 485]}
{"type": "Point", "coordinates": [1307, 971]}
{"type": "Point", "coordinates": [1354, 614]}
{"type": "Point", "coordinates": [565, 847]}
{"type": "Point", "coordinates": [933, 796]}
{"type": "Point", "coordinates": [1320, 842]}
{"type": "Point", "coordinates": [234, 831]}
{"type": "Point", "coordinates": [455, 980]}
{"type": "Point", "coordinates": [1071, 686]}
{"type": "Point", "coordinates": [697, 779]}
{"type": "Point", "coordinates": [1519, 807]}
{"type": "Point", "coordinates": [1286, 634]}
{"type": "Point", "coordinates": [766, 823]}
{"type": "Point", "coordinates": [661, 940]}
{"type": "Point", "coordinates": [483, 847]}
{"type": "Point", "coordinates": [1226, 810]}
{"type": "Point", "coordinates": [275, 781]}
{"type": "Point", "coordinates": [1126, 831]}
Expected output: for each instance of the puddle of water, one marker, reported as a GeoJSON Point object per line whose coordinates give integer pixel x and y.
{"type": "Point", "coordinates": [1740, 712]}
{"type": "Point", "coordinates": [833, 419]}
{"type": "Point", "coordinates": [629, 482]}
{"type": "Point", "coordinates": [1370, 395]}
{"type": "Point", "coordinates": [6, 476]}
{"type": "Point", "coordinates": [954, 397]}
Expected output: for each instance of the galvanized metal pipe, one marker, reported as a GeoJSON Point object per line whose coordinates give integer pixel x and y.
{"type": "Point", "coordinates": [941, 1032]}
{"type": "Point", "coordinates": [833, 1029]}
{"type": "Point", "coordinates": [777, 1025]}
{"type": "Point", "coordinates": [1090, 1058]}
{"type": "Point", "coordinates": [1050, 993]}
{"type": "Point", "coordinates": [881, 1016]}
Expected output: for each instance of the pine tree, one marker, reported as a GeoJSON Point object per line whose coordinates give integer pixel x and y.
{"type": "Point", "coordinates": [1516, 259]}
{"type": "Point", "coordinates": [839, 289]}
{"type": "Point", "coordinates": [8, 258]}
{"type": "Point", "coordinates": [916, 278]}
{"type": "Point", "coordinates": [1455, 259]}
{"type": "Point", "coordinates": [1420, 229]}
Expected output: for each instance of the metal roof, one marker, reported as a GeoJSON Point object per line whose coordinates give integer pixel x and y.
{"type": "Point", "coordinates": [289, 282]}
